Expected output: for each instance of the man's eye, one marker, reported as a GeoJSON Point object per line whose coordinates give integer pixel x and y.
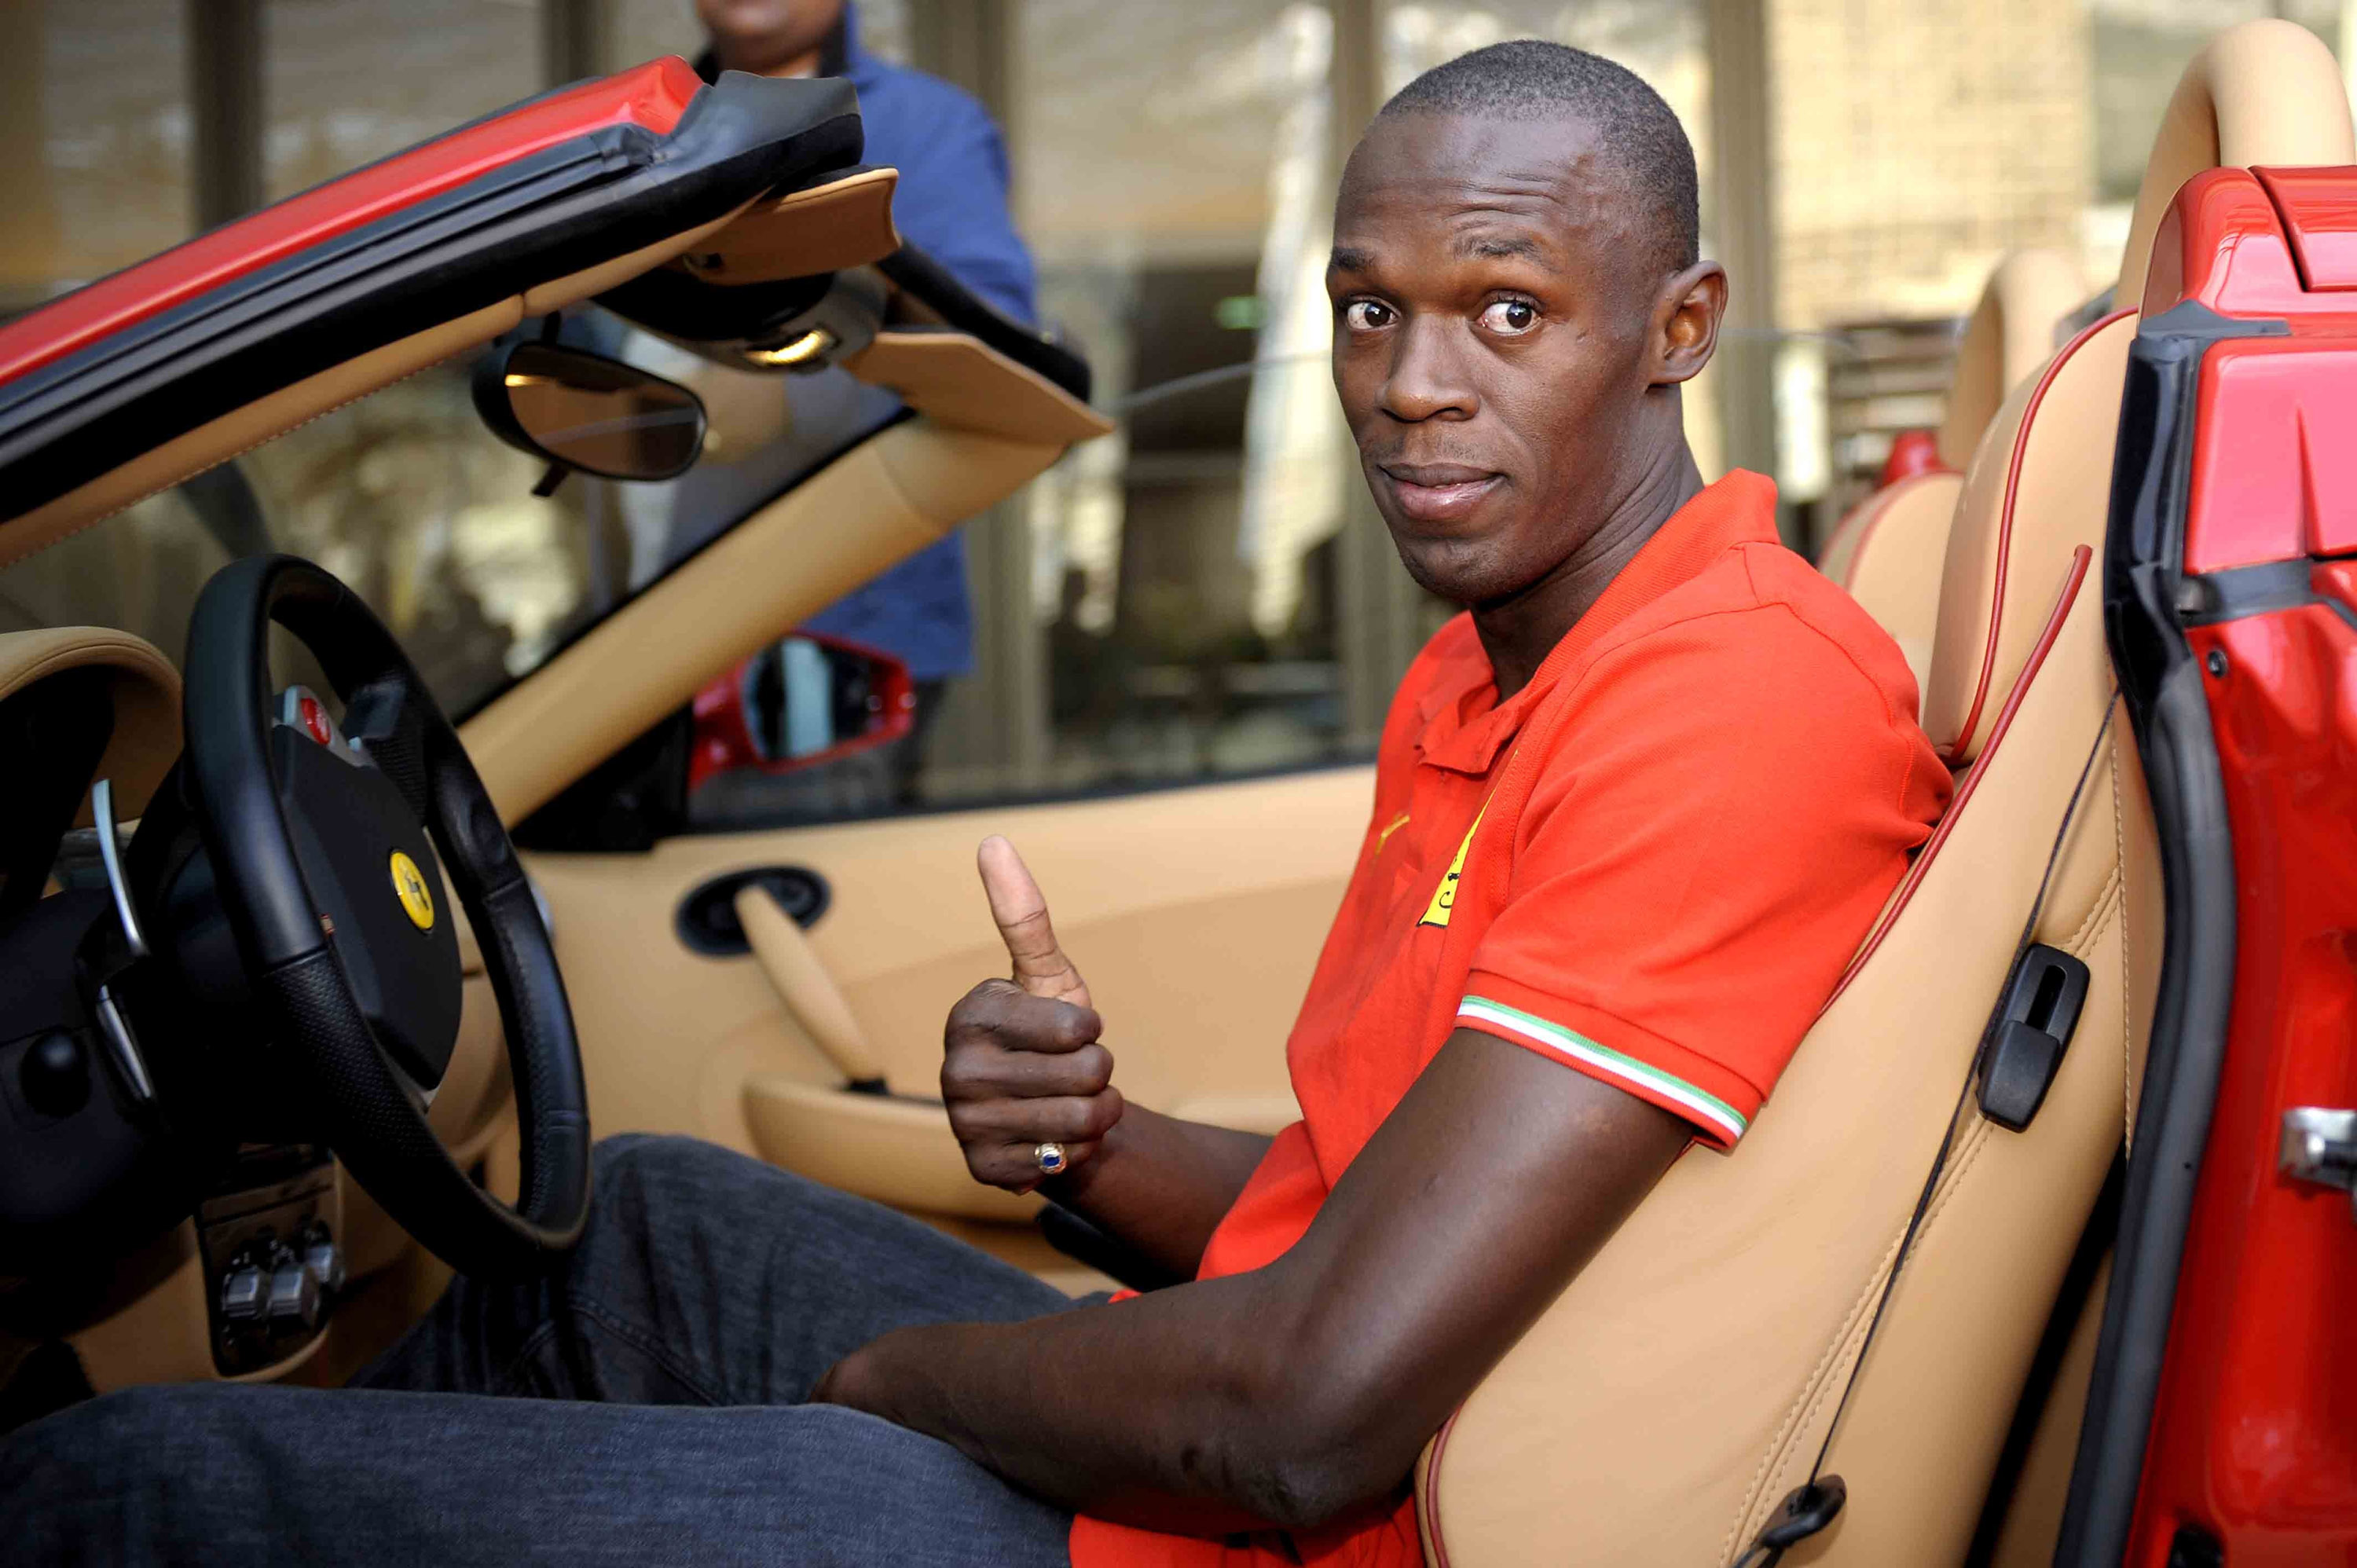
{"type": "Point", "coordinates": [1510, 317]}
{"type": "Point", "coordinates": [1367, 315]}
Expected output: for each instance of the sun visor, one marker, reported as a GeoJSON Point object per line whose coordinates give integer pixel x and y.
{"type": "Point", "coordinates": [843, 221]}
{"type": "Point", "coordinates": [904, 322]}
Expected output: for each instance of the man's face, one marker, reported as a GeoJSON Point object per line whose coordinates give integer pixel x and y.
{"type": "Point", "coordinates": [1493, 314]}
{"type": "Point", "coordinates": [784, 29]}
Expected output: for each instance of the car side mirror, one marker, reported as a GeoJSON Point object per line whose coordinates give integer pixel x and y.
{"type": "Point", "coordinates": [580, 410]}
{"type": "Point", "coordinates": [801, 701]}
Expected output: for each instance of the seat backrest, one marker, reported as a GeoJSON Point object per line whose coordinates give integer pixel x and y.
{"type": "Point", "coordinates": [1887, 553]}
{"type": "Point", "coordinates": [1682, 1383]}
{"type": "Point", "coordinates": [1889, 550]}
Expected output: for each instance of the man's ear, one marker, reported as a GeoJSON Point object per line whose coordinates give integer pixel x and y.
{"type": "Point", "coordinates": [1686, 314]}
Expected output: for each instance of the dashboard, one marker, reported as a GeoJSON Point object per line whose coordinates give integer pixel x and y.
{"type": "Point", "coordinates": [163, 1214]}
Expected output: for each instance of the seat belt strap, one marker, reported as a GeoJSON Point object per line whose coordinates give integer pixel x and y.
{"type": "Point", "coordinates": [1813, 1505]}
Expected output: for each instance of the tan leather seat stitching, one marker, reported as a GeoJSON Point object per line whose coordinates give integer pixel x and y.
{"type": "Point", "coordinates": [1824, 1374]}
{"type": "Point", "coordinates": [2073, 577]}
{"type": "Point", "coordinates": [1853, 1329]}
{"type": "Point", "coordinates": [1776, 1441]}
{"type": "Point", "coordinates": [2014, 467]}
{"type": "Point", "coordinates": [2075, 944]}
{"type": "Point", "coordinates": [1840, 1351]}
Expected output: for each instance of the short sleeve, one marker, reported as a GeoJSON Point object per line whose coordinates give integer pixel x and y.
{"type": "Point", "coordinates": [1693, 873]}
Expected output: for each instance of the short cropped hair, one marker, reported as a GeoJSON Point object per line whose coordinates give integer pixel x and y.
{"type": "Point", "coordinates": [1529, 79]}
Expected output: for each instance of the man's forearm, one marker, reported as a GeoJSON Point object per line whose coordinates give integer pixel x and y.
{"type": "Point", "coordinates": [1195, 1441]}
{"type": "Point", "coordinates": [1296, 1392]}
{"type": "Point", "coordinates": [1161, 1185]}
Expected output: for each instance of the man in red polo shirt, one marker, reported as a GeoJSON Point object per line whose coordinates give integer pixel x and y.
{"type": "Point", "coordinates": [1633, 810]}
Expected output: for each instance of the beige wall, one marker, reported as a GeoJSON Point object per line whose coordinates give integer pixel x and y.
{"type": "Point", "coordinates": [1916, 143]}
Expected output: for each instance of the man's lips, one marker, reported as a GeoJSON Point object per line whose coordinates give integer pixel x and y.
{"type": "Point", "coordinates": [1440, 492]}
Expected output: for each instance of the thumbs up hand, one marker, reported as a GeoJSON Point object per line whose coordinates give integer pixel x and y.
{"type": "Point", "coordinates": [1021, 1066]}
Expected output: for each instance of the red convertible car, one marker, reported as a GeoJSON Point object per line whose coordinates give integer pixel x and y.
{"type": "Point", "coordinates": [329, 930]}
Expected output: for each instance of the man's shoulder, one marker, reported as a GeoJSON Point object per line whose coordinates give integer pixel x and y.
{"type": "Point", "coordinates": [916, 94]}
{"type": "Point", "coordinates": [1759, 615]}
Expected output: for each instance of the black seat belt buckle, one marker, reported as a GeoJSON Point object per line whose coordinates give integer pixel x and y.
{"type": "Point", "coordinates": [2033, 1028]}
{"type": "Point", "coordinates": [1806, 1509]}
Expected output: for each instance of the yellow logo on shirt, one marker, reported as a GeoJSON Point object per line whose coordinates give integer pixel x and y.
{"type": "Point", "coordinates": [1444, 898]}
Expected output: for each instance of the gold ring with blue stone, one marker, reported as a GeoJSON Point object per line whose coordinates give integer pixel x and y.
{"type": "Point", "coordinates": [1049, 1157]}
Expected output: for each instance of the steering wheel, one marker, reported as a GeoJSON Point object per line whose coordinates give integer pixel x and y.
{"type": "Point", "coordinates": [323, 853]}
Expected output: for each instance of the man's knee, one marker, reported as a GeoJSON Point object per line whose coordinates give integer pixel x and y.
{"type": "Point", "coordinates": [664, 1184]}
{"type": "Point", "coordinates": [639, 1163]}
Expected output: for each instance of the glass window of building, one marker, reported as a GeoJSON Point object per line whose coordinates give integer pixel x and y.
{"type": "Point", "coordinates": [347, 81]}
{"type": "Point", "coordinates": [94, 141]}
{"type": "Point", "coordinates": [1173, 178]}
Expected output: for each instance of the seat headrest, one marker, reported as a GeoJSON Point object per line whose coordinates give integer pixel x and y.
{"type": "Point", "coordinates": [2263, 92]}
{"type": "Point", "coordinates": [2038, 488]}
{"type": "Point", "coordinates": [2040, 482]}
{"type": "Point", "coordinates": [2010, 335]}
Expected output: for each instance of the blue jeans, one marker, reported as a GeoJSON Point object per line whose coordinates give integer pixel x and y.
{"type": "Point", "coordinates": [640, 1408]}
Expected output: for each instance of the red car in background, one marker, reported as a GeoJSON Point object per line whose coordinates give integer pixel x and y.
{"type": "Point", "coordinates": [802, 702]}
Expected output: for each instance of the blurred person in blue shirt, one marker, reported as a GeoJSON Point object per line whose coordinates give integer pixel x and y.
{"type": "Point", "coordinates": [950, 204]}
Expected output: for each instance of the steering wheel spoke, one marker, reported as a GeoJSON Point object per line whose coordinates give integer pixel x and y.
{"type": "Point", "coordinates": [382, 718]}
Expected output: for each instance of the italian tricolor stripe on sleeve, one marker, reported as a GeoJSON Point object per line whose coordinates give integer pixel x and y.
{"type": "Point", "coordinates": [1602, 1061]}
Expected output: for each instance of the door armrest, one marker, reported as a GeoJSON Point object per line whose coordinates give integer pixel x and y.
{"type": "Point", "coordinates": [893, 1151]}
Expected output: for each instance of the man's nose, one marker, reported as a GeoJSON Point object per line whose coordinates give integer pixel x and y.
{"type": "Point", "coordinates": [1427, 378]}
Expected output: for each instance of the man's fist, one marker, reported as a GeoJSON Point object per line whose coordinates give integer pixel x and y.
{"type": "Point", "coordinates": [1021, 1065]}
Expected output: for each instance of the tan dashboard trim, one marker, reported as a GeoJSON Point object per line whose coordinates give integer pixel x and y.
{"type": "Point", "coordinates": [964, 383]}
{"type": "Point", "coordinates": [243, 429]}
{"type": "Point", "coordinates": [146, 692]}
{"type": "Point", "coordinates": [843, 223]}
{"type": "Point", "coordinates": [879, 502]}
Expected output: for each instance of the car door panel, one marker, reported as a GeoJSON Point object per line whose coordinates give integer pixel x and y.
{"type": "Point", "coordinates": [1196, 913]}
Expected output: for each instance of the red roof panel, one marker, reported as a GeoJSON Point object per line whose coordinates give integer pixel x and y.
{"type": "Point", "coordinates": [653, 95]}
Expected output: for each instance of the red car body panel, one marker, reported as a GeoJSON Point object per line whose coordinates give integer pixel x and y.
{"type": "Point", "coordinates": [652, 96]}
{"type": "Point", "coordinates": [2254, 1438]}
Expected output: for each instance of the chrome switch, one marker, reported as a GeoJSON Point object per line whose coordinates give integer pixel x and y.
{"type": "Point", "coordinates": [242, 1289]}
{"type": "Point", "coordinates": [325, 1260]}
{"type": "Point", "coordinates": [294, 1296]}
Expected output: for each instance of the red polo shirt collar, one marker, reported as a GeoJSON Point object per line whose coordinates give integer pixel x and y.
{"type": "Point", "coordinates": [1464, 724]}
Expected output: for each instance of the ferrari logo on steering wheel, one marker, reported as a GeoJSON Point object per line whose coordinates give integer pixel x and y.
{"type": "Point", "coordinates": [409, 885]}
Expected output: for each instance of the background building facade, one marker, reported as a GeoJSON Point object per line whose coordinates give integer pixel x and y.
{"type": "Point", "coordinates": [1208, 592]}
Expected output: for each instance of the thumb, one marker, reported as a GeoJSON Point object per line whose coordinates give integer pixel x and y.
{"type": "Point", "coordinates": [1020, 911]}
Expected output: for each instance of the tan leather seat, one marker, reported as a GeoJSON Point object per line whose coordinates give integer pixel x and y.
{"type": "Point", "coordinates": [1889, 550]}
{"type": "Point", "coordinates": [1664, 1404]}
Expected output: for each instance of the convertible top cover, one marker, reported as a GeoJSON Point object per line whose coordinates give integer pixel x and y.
{"type": "Point", "coordinates": [574, 180]}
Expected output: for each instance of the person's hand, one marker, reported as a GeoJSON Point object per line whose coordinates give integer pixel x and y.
{"type": "Point", "coordinates": [1021, 1065]}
